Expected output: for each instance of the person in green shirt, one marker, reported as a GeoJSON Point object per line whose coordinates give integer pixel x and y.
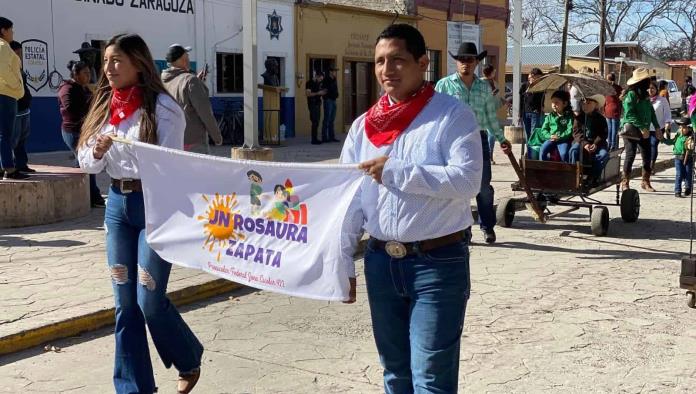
{"type": "Point", "coordinates": [557, 130]}
{"type": "Point", "coordinates": [255, 191]}
{"type": "Point", "coordinates": [638, 115]}
{"type": "Point", "coordinates": [683, 144]}
{"type": "Point", "coordinates": [466, 86]}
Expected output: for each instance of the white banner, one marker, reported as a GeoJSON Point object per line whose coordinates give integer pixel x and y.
{"type": "Point", "coordinates": [272, 226]}
{"type": "Point", "coordinates": [457, 33]}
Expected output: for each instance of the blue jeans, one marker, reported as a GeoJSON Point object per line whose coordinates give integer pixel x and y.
{"type": "Point", "coordinates": [327, 130]}
{"type": "Point", "coordinates": [417, 305]}
{"type": "Point", "coordinates": [599, 158]}
{"type": "Point", "coordinates": [19, 139]}
{"type": "Point", "coordinates": [8, 115]}
{"type": "Point", "coordinates": [685, 173]}
{"type": "Point", "coordinates": [139, 279]}
{"type": "Point", "coordinates": [613, 140]}
{"type": "Point", "coordinates": [491, 143]}
{"type": "Point", "coordinates": [654, 144]}
{"type": "Point", "coordinates": [531, 122]}
{"type": "Point", "coordinates": [71, 140]}
{"type": "Point", "coordinates": [548, 147]}
{"type": "Point", "coordinates": [486, 195]}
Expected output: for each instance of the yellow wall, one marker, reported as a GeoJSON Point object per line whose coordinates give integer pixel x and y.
{"type": "Point", "coordinates": [433, 25]}
{"type": "Point", "coordinates": [333, 32]}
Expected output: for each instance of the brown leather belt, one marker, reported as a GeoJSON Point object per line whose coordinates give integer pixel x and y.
{"type": "Point", "coordinates": [126, 186]}
{"type": "Point", "coordinates": [402, 249]}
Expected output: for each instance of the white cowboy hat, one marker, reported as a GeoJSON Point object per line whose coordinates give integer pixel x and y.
{"type": "Point", "coordinates": [598, 98]}
{"type": "Point", "coordinates": [639, 74]}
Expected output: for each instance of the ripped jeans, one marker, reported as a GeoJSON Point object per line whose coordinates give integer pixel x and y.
{"type": "Point", "coordinates": [139, 278]}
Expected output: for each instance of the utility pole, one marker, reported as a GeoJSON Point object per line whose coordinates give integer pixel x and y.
{"type": "Point", "coordinates": [517, 62]}
{"type": "Point", "coordinates": [568, 7]}
{"type": "Point", "coordinates": [602, 33]}
{"type": "Point", "coordinates": [251, 68]}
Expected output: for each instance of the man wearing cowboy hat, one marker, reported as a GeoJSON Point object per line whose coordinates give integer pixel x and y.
{"type": "Point", "coordinates": [590, 132]}
{"type": "Point", "coordinates": [88, 54]}
{"type": "Point", "coordinates": [470, 89]}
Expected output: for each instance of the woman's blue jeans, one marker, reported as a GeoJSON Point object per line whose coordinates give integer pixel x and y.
{"type": "Point", "coordinates": [613, 140]}
{"type": "Point", "coordinates": [71, 140]}
{"type": "Point", "coordinates": [8, 115]}
{"type": "Point", "coordinates": [548, 147]}
{"type": "Point", "coordinates": [417, 305]}
{"type": "Point", "coordinates": [139, 279]}
{"type": "Point", "coordinates": [654, 145]}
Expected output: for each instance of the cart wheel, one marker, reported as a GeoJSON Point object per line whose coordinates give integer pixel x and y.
{"type": "Point", "coordinates": [505, 213]}
{"type": "Point", "coordinates": [600, 221]}
{"type": "Point", "coordinates": [691, 302]}
{"type": "Point", "coordinates": [630, 205]}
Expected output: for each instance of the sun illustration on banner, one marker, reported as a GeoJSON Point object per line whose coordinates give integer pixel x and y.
{"type": "Point", "coordinates": [219, 227]}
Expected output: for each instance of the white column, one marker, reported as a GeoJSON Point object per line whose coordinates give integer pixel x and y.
{"type": "Point", "coordinates": [516, 62]}
{"type": "Point", "coordinates": [251, 68]}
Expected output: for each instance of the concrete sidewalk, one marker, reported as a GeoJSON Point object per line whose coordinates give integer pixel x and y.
{"type": "Point", "coordinates": [55, 281]}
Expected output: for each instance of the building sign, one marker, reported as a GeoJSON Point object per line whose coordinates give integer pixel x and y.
{"type": "Point", "coordinates": [360, 45]}
{"type": "Point", "coordinates": [178, 6]}
{"type": "Point", "coordinates": [35, 63]}
{"type": "Point", "coordinates": [274, 25]}
{"type": "Point", "coordinates": [458, 32]}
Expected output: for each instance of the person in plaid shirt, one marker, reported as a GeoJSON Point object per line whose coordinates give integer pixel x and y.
{"type": "Point", "coordinates": [470, 89]}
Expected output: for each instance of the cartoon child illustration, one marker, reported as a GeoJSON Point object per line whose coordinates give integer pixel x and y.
{"type": "Point", "coordinates": [281, 206]}
{"type": "Point", "coordinates": [255, 192]}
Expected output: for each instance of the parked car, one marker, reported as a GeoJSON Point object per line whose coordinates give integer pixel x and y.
{"type": "Point", "coordinates": [675, 99]}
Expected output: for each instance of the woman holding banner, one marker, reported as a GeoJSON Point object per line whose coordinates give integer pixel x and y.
{"type": "Point", "coordinates": [131, 103]}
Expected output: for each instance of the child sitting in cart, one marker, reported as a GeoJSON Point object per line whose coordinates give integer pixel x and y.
{"type": "Point", "coordinates": [557, 131]}
{"type": "Point", "coordinates": [590, 133]}
{"type": "Point", "coordinates": [683, 150]}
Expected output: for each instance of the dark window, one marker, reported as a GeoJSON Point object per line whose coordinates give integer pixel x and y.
{"type": "Point", "coordinates": [432, 74]}
{"type": "Point", "coordinates": [319, 64]}
{"type": "Point", "coordinates": [230, 73]}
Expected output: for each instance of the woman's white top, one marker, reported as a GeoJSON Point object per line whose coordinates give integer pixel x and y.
{"type": "Point", "coordinates": [662, 112]}
{"type": "Point", "coordinates": [120, 161]}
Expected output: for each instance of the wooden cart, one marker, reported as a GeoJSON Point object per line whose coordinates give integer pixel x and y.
{"type": "Point", "coordinates": [570, 186]}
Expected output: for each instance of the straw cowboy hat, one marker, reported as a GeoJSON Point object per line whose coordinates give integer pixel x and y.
{"type": "Point", "coordinates": [468, 49]}
{"type": "Point", "coordinates": [598, 98]}
{"type": "Point", "coordinates": [639, 74]}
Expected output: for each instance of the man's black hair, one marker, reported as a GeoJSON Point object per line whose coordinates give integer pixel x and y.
{"type": "Point", "coordinates": [536, 71]}
{"type": "Point", "coordinates": [15, 45]}
{"type": "Point", "coordinates": [415, 43]}
{"type": "Point", "coordinates": [562, 95]}
{"type": "Point", "coordinates": [488, 69]}
{"type": "Point", "coordinates": [5, 23]}
{"type": "Point", "coordinates": [612, 77]}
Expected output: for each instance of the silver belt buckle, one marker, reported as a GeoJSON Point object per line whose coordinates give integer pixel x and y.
{"type": "Point", "coordinates": [121, 185]}
{"type": "Point", "coordinates": [395, 249]}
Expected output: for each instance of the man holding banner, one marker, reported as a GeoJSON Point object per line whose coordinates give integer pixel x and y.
{"type": "Point", "coordinates": [422, 151]}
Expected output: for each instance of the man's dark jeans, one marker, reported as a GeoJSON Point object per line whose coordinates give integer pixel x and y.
{"type": "Point", "coordinates": [327, 131]}
{"type": "Point", "coordinates": [314, 117]}
{"type": "Point", "coordinates": [486, 195]}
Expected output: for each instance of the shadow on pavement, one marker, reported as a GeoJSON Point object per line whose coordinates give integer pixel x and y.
{"type": "Point", "coordinates": [65, 344]}
{"type": "Point", "coordinates": [9, 241]}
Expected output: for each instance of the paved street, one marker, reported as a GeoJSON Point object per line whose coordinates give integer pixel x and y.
{"type": "Point", "coordinates": [553, 308]}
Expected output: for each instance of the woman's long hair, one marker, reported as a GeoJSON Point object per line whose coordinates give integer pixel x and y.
{"type": "Point", "coordinates": [640, 88]}
{"type": "Point", "coordinates": [133, 46]}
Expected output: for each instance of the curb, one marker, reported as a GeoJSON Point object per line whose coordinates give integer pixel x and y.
{"type": "Point", "coordinates": [95, 320]}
